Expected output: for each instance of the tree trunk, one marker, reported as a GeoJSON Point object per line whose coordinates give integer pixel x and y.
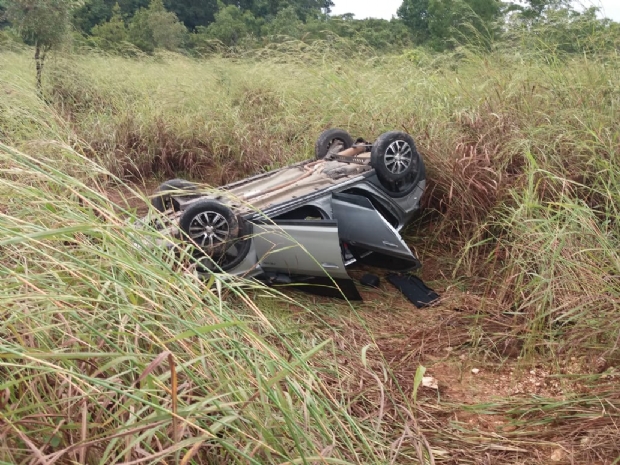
{"type": "Point", "coordinates": [39, 58]}
{"type": "Point", "coordinates": [39, 65]}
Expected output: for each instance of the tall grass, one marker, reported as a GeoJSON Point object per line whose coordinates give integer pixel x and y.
{"type": "Point", "coordinates": [117, 354]}
{"type": "Point", "coordinates": [113, 353]}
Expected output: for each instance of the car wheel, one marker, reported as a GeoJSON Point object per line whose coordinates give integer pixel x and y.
{"type": "Point", "coordinates": [164, 200]}
{"type": "Point", "coordinates": [210, 226]}
{"type": "Point", "coordinates": [236, 251]}
{"type": "Point", "coordinates": [332, 141]}
{"type": "Point", "coordinates": [394, 156]}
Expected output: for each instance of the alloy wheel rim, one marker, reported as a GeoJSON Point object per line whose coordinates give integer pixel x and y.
{"type": "Point", "coordinates": [398, 157]}
{"type": "Point", "coordinates": [209, 229]}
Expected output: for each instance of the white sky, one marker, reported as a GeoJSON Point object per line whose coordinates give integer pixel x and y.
{"type": "Point", "coordinates": [386, 8]}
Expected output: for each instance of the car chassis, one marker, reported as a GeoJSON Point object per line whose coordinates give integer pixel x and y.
{"type": "Point", "coordinates": [307, 222]}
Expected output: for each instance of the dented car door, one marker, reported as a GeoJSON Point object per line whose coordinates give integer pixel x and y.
{"type": "Point", "coordinates": [362, 226]}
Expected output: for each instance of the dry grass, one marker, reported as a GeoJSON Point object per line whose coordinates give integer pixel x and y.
{"type": "Point", "coordinates": [519, 235]}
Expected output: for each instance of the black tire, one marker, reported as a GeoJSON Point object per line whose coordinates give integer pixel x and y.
{"type": "Point", "coordinates": [164, 200]}
{"type": "Point", "coordinates": [394, 156]}
{"type": "Point", "coordinates": [236, 251]}
{"type": "Point", "coordinates": [210, 226]}
{"type": "Point", "coordinates": [332, 141]}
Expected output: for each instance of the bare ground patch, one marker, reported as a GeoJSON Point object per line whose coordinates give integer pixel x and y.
{"type": "Point", "coordinates": [491, 405]}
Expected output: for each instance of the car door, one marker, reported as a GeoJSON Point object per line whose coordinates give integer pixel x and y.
{"type": "Point", "coordinates": [300, 247]}
{"type": "Point", "coordinates": [361, 226]}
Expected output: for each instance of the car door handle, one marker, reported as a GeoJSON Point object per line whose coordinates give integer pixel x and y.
{"type": "Point", "coordinates": [389, 244]}
{"type": "Point", "coordinates": [329, 266]}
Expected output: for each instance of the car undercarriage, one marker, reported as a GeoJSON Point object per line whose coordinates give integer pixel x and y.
{"type": "Point", "coordinates": [307, 222]}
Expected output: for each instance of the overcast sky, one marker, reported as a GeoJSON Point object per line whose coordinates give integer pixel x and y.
{"type": "Point", "coordinates": [386, 8]}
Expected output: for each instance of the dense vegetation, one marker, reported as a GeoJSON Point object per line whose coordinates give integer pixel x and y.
{"type": "Point", "coordinates": [208, 26]}
{"type": "Point", "coordinates": [112, 353]}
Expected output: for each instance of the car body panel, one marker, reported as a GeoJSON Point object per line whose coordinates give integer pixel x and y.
{"type": "Point", "coordinates": [300, 247]}
{"type": "Point", "coordinates": [361, 225]}
{"type": "Point", "coordinates": [312, 219]}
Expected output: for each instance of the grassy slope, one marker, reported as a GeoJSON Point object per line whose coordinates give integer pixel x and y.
{"type": "Point", "coordinates": [522, 166]}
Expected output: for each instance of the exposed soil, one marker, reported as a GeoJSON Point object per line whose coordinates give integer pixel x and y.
{"type": "Point", "coordinates": [132, 196]}
{"type": "Point", "coordinates": [490, 401]}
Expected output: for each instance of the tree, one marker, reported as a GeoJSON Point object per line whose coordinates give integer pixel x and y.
{"type": "Point", "coordinates": [41, 23]}
{"type": "Point", "coordinates": [231, 25]}
{"type": "Point", "coordinates": [437, 22]}
{"type": "Point", "coordinates": [565, 30]}
{"type": "Point", "coordinates": [307, 9]}
{"type": "Point", "coordinates": [131, 7]}
{"type": "Point", "coordinates": [414, 13]}
{"type": "Point", "coordinates": [91, 13]}
{"type": "Point", "coordinates": [534, 9]}
{"type": "Point", "coordinates": [155, 27]}
{"type": "Point", "coordinates": [112, 32]}
{"type": "Point", "coordinates": [268, 9]}
{"type": "Point", "coordinates": [168, 31]}
{"type": "Point", "coordinates": [286, 23]}
{"type": "Point", "coordinates": [3, 19]}
{"type": "Point", "coordinates": [193, 13]}
{"type": "Point", "coordinates": [140, 33]}
{"type": "Point", "coordinates": [382, 34]}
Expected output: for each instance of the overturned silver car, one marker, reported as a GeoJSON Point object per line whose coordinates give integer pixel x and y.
{"type": "Point", "coordinates": [305, 223]}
